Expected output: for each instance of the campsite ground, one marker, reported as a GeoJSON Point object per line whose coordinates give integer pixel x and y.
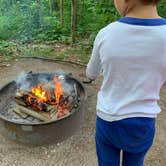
{"type": "Point", "coordinates": [79, 150]}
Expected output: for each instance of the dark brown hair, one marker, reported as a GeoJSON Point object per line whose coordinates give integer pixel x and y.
{"type": "Point", "coordinates": [147, 2]}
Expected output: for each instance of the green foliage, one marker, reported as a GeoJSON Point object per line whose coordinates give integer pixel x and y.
{"type": "Point", "coordinates": [4, 47]}
{"type": "Point", "coordinates": [26, 20]}
{"type": "Point", "coordinates": [9, 50]}
{"type": "Point", "coordinates": [162, 8]}
{"type": "Point", "coordinates": [29, 21]}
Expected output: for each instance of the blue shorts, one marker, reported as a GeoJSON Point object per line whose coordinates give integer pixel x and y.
{"type": "Point", "coordinates": [132, 135]}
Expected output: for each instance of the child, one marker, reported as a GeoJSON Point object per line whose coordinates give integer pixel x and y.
{"type": "Point", "coordinates": [131, 54]}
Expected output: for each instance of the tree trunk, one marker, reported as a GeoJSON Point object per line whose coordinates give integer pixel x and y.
{"type": "Point", "coordinates": [73, 19]}
{"type": "Point", "coordinates": [39, 12]}
{"type": "Point", "coordinates": [62, 12]}
{"type": "Point", "coordinates": [52, 6]}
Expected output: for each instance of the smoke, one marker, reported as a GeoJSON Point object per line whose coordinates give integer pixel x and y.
{"type": "Point", "coordinates": [67, 87]}
{"type": "Point", "coordinates": [22, 82]}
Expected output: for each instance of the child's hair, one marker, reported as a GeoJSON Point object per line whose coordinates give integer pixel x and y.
{"type": "Point", "coordinates": [147, 2]}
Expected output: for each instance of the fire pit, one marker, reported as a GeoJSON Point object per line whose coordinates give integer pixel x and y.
{"type": "Point", "coordinates": [41, 108]}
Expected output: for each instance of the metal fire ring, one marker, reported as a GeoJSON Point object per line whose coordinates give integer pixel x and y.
{"type": "Point", "coordinates": [43, 132]}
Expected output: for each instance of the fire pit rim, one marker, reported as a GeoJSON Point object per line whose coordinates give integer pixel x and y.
{"type": "Point", "coordinates": [49, 122]}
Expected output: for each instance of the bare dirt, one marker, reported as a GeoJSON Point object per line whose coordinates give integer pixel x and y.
{"type": "Point", "coordinates": [79, 150]}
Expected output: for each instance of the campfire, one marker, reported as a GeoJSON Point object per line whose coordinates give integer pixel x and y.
{"type": "Point", "coordinates": [42, 107]}
{"type": "Point", "coordinates": [47, 100]}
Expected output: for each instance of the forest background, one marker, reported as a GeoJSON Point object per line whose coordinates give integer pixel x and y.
{"type": "Point", "coordinates": [63, 29]}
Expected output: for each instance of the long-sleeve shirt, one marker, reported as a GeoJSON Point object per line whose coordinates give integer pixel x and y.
{"type": "Point", "coordinates": [131, 55]}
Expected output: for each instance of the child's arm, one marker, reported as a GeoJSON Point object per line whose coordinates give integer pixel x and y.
{"type": "Point", "coordinates": [94, 66]}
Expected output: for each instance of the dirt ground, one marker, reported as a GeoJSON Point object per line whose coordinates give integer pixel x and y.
{"type": "Point", "coordinates": [79, 150]}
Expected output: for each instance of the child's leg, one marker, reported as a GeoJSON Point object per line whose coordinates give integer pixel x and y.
{"type": "Point", "coordinates": [133, 135]}
{"type": "Point", "coordinates": [139, 139]}
{"type": "Point", "coordinates": [107, 153]}
{"type": "Point", "coordinates": [133, 159]}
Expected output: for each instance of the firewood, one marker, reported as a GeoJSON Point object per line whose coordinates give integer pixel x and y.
{"type": "Point", "coordinates": [22, 98]}
{"type": "Point", "coordinates": [19, 101]}
{"type": "Point", "coordinates": [39, 115]}
{"type": "Point", "coordinates": [20, 93]}
{"type": "Point", "coordinates": [18, 112]}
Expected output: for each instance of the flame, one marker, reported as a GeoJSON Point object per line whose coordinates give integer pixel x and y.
{"type": "Point", "coordinates": [45, 96]}
{"type": "Point", "coordinates": [58, 90]}
{"type": "Point", "coordinates": [40, 93]}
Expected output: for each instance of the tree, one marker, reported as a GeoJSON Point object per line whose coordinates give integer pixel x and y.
{"type": "Point", "coordinates": [52, 6]}
{"type": "Point", "coordinates": [62, 12]}
{"type": "Point", "coordinates": [39, 12]}
{"type": "Point", "coordinates": [73, 19]}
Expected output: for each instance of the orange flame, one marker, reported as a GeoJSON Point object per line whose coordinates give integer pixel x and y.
{"type": "Point", "coordinates": [40, 93]}
{"type": "Point", "coordinates": [58, 90]}
{"type": "Point", "coordinates": [45, 96]}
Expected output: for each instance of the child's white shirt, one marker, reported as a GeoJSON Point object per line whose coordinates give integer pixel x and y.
{"type": "Point", "coordinates": [131, 55]}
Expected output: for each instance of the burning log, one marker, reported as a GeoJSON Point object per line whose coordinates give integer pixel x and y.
{"type": "Point", "coordinates": [26, 98]}
{"type": "Point", "coordinates": [47, 101]}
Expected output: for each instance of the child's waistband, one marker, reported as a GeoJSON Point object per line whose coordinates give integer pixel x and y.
{"type": "Point", "coordinates": [111, 118]}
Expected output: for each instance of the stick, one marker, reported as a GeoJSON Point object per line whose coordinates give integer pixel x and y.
{"type": "Point", "coordinates": [75, 90]}
{"type": "Point", "coordinates": [55, 60]}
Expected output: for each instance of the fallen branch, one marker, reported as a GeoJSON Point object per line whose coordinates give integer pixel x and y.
{"type": "Point", "coordinates": [55, 60]}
